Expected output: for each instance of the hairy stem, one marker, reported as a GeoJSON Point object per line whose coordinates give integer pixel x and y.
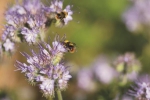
{"type": "Point", "coordinates": [59, 95]}
{"type": "Point", "coordinates": [50, 98]}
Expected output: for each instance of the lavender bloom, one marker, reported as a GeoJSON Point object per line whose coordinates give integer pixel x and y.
{"type": "Point", "coordinates": [33, 6]}
{"type": "Point", "coordinates": [68, 17]}
{"type": "Point", "coordinates": [8, 45]}
{"type": "Point", "coordinates": [85, 80]}
{"type": "Point", "coordinates": [15, 16]}
{"type": "Point", "coordinates": [9, 32]}
{"type": "Point", "coordinates": [45, 68]}
{"type": "Point", "coordinates": [28, 21]}
{"type": "Point", "coordinates": [128, 67]}
{"type": "Point", "coordinates": [24, 23]}
{"type": "Point", "coordinates": [30, 35]}
{"type": "Point", "coordinates": [56, 6]}
{"type": "Point", "coordinates": [137, 16]}
{"type": "Point", "coordinates": [103, 71]}
{"type": "Point", "coordinates": [141, 90]}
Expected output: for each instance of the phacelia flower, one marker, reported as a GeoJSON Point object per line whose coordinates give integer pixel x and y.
{"type": "Point", "coordinates": [33, 6]}
{"type": "Point", "coordinates": [24, 23]}
{"type": "Point", "coordinates": [46, 69]}
{"type": "Point", "coordinates": [141, 90]}
{"type": "Point", "coordinates": [56, 6]}
{"type": "Point", "coordinates": [27, 22]}
{"type": "Point", "coordinates": [62, 17]}
{"type": "Point", "coordinates": [85, 80]}
{"type": "Point", "coordinates": [127, 63]}
{"type": "Point", "coordinates": [103, 71]}
{"type": "Point", "coordinates": [30, 35]}
{"type": "Point", "coordinates": [128, 67]}
{"type": "Point", "coordinates": [137, 17]}
{"type": "Point", "coordinates": [8, 45]}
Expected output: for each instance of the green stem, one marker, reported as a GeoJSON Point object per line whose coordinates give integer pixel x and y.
{"type": "Point", "coordinates": [59, 95]}
{"type": "Point", "coordinates": [50, 98]}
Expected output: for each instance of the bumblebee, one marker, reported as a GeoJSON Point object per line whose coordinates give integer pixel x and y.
{"type": "Point", "coordinates": [60, 18]}
{"type": "Point", "coordinates": [71, 47]}
{"type": "Point", "coordinates": [57, 18]}
{"type": "Point", "coordinates": [61, 15]}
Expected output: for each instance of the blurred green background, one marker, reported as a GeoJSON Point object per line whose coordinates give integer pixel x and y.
{"type": "Point", "coordinates": [97, 28]}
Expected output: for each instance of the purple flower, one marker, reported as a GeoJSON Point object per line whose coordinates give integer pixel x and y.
{"type": "Point", "coordinates": [141, 90]}
{"type": "Point", "coordinates": [137, 17]}
{"type": "Point", "coordinates": [56, 6]}
{"type": "Point", "coordinates": [8, 45]}
{"type": "Point", "coordinates": [69, 13]}
{"type": "Point", "coordinates": [9, 32]}
{"type": "Point", "coordinates": [29, 20]}
{"type": "Point", "coordinates": [128, 67]}
{"type": "Point", "coordinates": [61, 16]}
{"type": "Point", "coordinates": [48, 87]}
{"type": "Point", "coordinates": [127, 63]}
{"type": "Point", "coordinates": [25, 22]}
{"type": "Point", "coordinates": [45, 68]}
{"type": "Point", "coordinates": [15, 15]}
{"type": "Point", "coordinates": [86, 80]}
{"type": "Point", "coordinates": [103, 71]}
{"type": "Point", "coordinates": [31, 36]}
{"type": "Point", "coordinates": [32, 6]}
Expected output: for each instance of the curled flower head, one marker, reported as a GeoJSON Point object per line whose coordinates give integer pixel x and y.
{"type": "Point", "coordinates": [46, 69]}
{"type": "Point", "coordinates": [127, 63]}
{"type": "Point", "coordinates": [56, 6]}
{"type": "Point", "coordinates": [141, 90]}
{"type": "Point", "coordinates": [32, 6]}
{"type": "Point", "coordinates": [128, 67]}
{"type": "Point", "coordinates": [25, 22]}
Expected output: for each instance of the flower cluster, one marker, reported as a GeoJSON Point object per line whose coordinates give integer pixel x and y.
{"type": "Point", "coordinates": [137, 16]}
{"type": "Point", "coordinates": [103, 70]}
{"type": "Point", "coordinates": [86, 80]}
{"type": "Point", "coordinates": [141, 90]}
{"type": "Point", "coordinates": [46, 69]}
{"type": "Point", "coordinates": [28, 22]}
{"type": "Point", "coordinates": [100, 71]}
{"type": "Point", "coordinates": [127, 63]}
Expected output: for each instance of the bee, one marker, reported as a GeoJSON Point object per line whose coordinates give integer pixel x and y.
{"type": "Point", "coordinates": [57, 18]}
{"type": "Point", "coordinates": [71, 47]}
{"type": "Point", "coordinates": [61, 15]}
{"type": "Point", "coordinates": [60, 18]}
